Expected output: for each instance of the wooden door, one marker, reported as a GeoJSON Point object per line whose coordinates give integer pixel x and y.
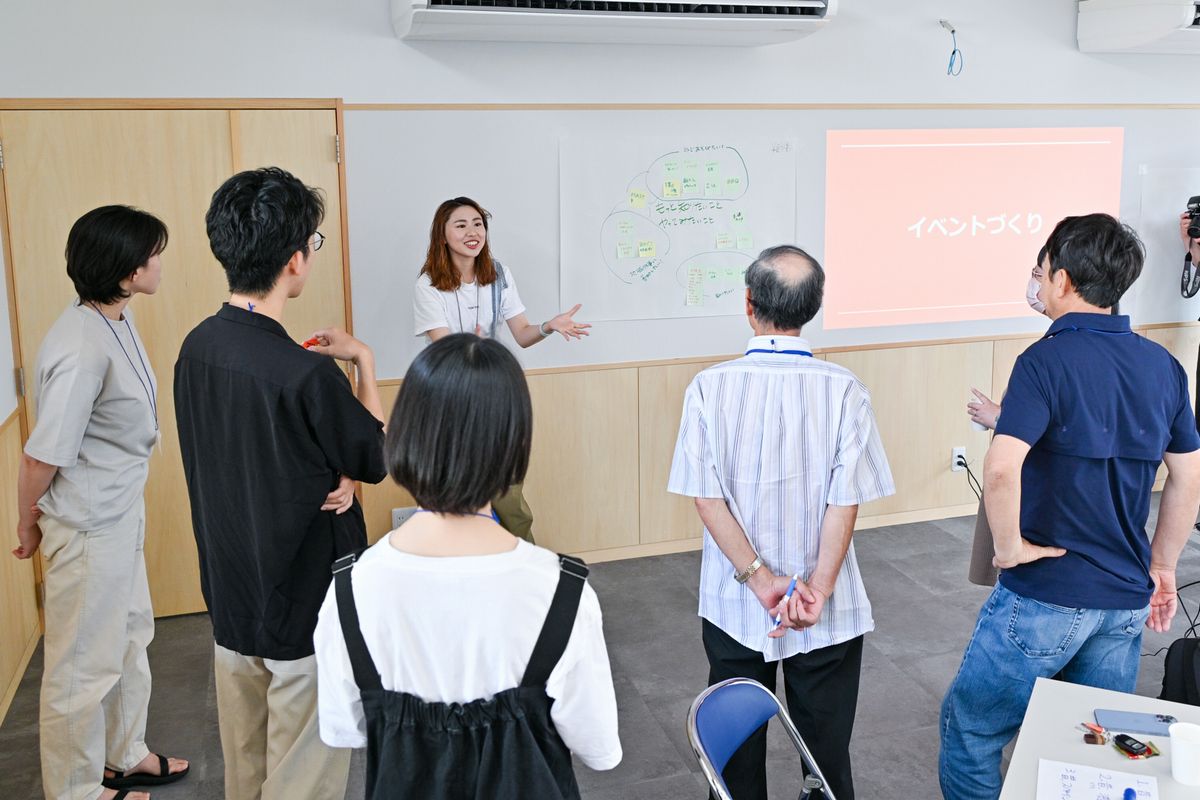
{"type": "Point", "coordinates": [59, 164]}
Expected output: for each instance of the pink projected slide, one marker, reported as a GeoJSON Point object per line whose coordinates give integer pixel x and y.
{"type": "Point", "coordinates": [945, 225]}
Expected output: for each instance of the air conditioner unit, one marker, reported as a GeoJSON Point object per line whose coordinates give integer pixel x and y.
{"type": "Point", "coordinates": [1139, 26]}
{"type": "Point", "coordinates": [723, 22]}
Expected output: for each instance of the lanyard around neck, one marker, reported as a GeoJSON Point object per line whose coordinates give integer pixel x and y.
{"type": "Point", "coordinates": [148, 384]}
{"type": "Point", "coordinates": [778, 352]}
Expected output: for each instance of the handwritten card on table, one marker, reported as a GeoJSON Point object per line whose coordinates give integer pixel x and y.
{"type": "Point", "coordinates": [1061, 781]}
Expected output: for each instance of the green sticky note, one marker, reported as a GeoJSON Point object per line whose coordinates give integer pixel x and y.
{"type": "Point", "coordinates": [734, 274]}
{"type": "Point", "coordinates": [637, 198]}
{"type": "Point", "coordinates": [691, 164]}
{"type": "Point", "coordinates": [725, 241]}
{"type": "Point", "coordinates": [695, 286]}
{"type": "Point", "coordinates": [626, 250]}
{"type": "Point", "coordinates": [690, 185]}
{"type": "Point", "coordinates": [671, 189]}
{"type": "Point", "coordinates": [625, 227]}
{"type": "Point", "coordinates": [733, 184]}
{"type": "Point", "coordinates": [738, 217]}
{"type": "Point", "coordinates": [712, 168]}
{"type": "Point", "coordinates": [745, 241]}
{"type": "Point", "coordinates": [713, 275]}
{"type": "Point", "coordinates": [647, 249]}
{"type": "Point", "coordinates": [712, 188]}
{"type": "Point", "coordinates": [672, 167]}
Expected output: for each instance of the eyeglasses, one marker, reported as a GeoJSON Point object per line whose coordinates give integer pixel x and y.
{"type": "Point", "coordinates": [1037, 273]}
{"type": "Point", "coordinates": [317, 240]}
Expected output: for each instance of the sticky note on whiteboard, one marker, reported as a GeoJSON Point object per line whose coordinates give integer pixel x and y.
{"type": "Point", "coordinates": [733, 184]}
{"type": "Point", "coordinates": [671, 189]}
{"type": "Point", "coordinates": [637, 199]}
{"type": "Point", "coordinates": [690, 185]}
{"type": "Point", "coordinates": [624, 227]}
{"type": "Point", "coordinates": [626, 250]}
{"type": "Point", "coordinates": [647, 249]}
{"type": "Point", "coordinates": [725, 241]}
{"type": "Point", "coordinates": [745, 241]}
{"type": "Point", "coordinates": [712, 188]}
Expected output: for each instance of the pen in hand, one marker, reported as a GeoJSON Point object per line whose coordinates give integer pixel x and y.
{"type": "Point", "coordinates": [787, 596]}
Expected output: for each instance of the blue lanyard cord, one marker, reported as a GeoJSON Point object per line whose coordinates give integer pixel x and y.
{"type": "Point", "coordinates": [1087, 330]}
{"type": "Point", "coordinates": [782, 352]}
{"type": "Point", "coordinates": [146, 384]}
{"type": "Point", "coordinates": [494, 517]}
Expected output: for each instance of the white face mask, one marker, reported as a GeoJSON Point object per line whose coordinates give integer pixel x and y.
{"type": "Point", "coordinates": [1031, 294]}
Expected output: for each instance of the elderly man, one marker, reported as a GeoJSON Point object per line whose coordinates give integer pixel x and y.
{"type": "Point", "coordinates": [1091, 410]}
{"type": "Point", "coordinates": [779, 449]}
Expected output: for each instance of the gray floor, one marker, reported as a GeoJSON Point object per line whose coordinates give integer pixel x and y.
{"type": "Point", "coordinates": [924, 613]}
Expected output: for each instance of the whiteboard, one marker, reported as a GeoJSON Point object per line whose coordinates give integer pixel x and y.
{"type": "Point", "coordinates": [401, 164]}
{"type": "Point", "coordinates": [8, 389]}
{"type": "Point", "coordinates": [665, 228]}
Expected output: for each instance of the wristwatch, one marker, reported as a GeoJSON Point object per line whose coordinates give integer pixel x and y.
{"type": "Point", "coordinates": [744, 575]}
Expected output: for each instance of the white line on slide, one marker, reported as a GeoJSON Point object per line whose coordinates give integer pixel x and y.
{"type": "Point", "coordinates": [932, 308]}
{"type": "Point", "coordinates": [960, 144]}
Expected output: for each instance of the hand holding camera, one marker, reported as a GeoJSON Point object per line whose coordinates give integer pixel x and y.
{"type": "Point", "coordinates": [1189, 232]}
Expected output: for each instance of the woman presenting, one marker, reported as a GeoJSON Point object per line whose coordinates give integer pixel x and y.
{"type": "Point", "coordinates": [463, 289]}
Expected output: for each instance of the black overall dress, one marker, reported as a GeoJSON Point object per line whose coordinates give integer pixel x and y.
{"type": "Point", "coordinates": [505, 748]}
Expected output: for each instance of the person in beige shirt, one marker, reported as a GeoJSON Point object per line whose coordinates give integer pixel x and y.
{"type": "Point", "coordinates": [79, 491]}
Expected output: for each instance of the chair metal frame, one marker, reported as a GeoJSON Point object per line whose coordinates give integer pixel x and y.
{"type": "Point", "coordinates": [814, 780]}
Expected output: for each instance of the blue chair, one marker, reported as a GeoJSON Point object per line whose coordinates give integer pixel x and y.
{"type": "Point", "coordinates": [724, 716]}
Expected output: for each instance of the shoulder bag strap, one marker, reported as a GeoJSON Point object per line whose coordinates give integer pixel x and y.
{"type": "Point", "coordinates": [365, 673]}
{"type": "Point", "coordinates": [560, 620]}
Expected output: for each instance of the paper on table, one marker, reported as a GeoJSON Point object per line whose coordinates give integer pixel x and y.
{"type": "Point", "coordinates": [1061, 781]}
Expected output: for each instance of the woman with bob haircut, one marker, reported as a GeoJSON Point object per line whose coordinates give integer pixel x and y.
{"type": "Point", "coordinates": [462, 289]}
{"type": "Point", "coordinates": [80, 498]}
{"type": "Point", "coordinates": [469, 662]}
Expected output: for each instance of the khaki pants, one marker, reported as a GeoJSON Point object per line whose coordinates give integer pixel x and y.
{"type": "Point", "coordinates": [515, 514]}
{"type": "Point", "coordinates": [96, 680]}
{"type": "Point", "coordinates": [267, 711]}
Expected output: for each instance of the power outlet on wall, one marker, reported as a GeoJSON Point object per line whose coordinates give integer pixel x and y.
{"type": "Point", "coordinates": [955, 454]}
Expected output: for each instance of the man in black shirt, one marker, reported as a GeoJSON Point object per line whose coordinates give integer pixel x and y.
{"type": "Point", "coordinates": [273, 439]}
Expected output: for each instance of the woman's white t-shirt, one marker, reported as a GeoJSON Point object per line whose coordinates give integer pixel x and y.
{"type": "Point", "coordinates": [464, 308]}
{"type": "Point", "coordinates": [453, 630]}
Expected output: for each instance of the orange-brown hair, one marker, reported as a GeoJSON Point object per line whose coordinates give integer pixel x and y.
{"type": "Point", "coordinates": [438, 266]}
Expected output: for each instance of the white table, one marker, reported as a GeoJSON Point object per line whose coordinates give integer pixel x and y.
{"type": "Point", "coordinates": [1049, 731]}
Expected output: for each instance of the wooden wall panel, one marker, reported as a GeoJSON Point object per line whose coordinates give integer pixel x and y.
{"type": "Point", "coordinates": [583, 479]}
{"type": "Point", "coordinates": [919, 395]}
{"type": "Point", "coordinates": [664, 516]}
{"type": "Point", "coordinates": [379, 500]}
{"type": "Point", "coordinates": [20, 626]}
{"type": "Point", "coordinates": [1004, 357]}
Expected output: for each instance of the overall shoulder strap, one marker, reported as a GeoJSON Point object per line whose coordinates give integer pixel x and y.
{"type": "Point", "coordinates": [560, 620]}
{"type": "Point", "coordinates": [498, 287]}
{"type": "Point", "coordinates": [365, 673]}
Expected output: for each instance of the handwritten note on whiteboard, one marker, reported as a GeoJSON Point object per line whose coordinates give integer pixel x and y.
{"type": "Point", "coordinates": [1061, 781]}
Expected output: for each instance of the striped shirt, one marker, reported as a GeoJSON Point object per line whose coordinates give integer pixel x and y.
{"type": "Point", "coordinates": [779, 436]}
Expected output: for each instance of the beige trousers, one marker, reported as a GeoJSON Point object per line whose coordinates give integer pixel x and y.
{"type": "Point", "coordinates": [96, 679]}
{"type": "Point", "coordinates": [268, 715]}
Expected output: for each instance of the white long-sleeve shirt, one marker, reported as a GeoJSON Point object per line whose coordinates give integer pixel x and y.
{"type": "Point", "coordinates": [453, 630]}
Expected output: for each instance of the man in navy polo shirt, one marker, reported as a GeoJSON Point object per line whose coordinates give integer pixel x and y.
{"type": "Point", "coordinates": [1091, 411]}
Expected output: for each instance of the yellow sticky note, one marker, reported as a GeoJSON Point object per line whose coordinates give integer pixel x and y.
{"type": "Point", "coordinates": [671, 189]}
{"type": "Point", "coordinates": [626, 250]}
{"type": "Point", "coordinates": [690, 185]}
{"type": "Point", "coordinates": [724, 241]}
{"type": "Point", "coordinates": [712, 188]}
{"type": "Point", "coordinates": [695, 286]}
{"type": "Point", "coordinates": [647, 249]}
{"type": "Point", "coordinates": [637, 199]}
{"type": "Point", "coordinates": [745, 241]}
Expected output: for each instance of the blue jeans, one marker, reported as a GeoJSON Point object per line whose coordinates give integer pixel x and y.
{"type": "Point", "coordinates": [1016, 641]}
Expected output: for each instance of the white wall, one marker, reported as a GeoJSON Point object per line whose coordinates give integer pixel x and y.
{"type": "Point", "coordinates": [875, 51]}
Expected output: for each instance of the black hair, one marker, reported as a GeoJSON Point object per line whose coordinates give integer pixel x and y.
{"type": "Point", "coordinates": [1102, 255]}
{"type": "Point", "coordinates": [784, 304]}
{"type": "Point", "coordinates": [106, 245]}
{"type": "Point", "coordinates": [257, 220]}
{"type": "Point", "coordinates": [462, 426]}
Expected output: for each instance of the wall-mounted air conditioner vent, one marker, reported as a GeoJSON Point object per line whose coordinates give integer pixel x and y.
{"type": "Point", "coordinates": [611, 21]}
{"type": "Point", "coordinates": [1139, 26]}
